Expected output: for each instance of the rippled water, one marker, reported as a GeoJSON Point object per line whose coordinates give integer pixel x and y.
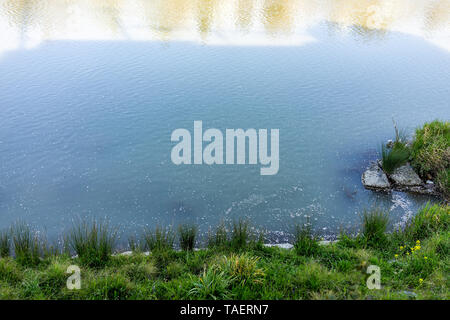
{"type": "Point", "coordinates": [90, 92]}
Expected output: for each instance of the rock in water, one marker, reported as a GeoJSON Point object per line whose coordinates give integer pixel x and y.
{"type": "Point", "coordinates": [405, 176]}
{"type": "Point", "coordinates": [374, 178]}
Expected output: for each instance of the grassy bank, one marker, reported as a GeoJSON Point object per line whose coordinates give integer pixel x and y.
{"type": "Point", "coordinates": [428, 152]}
{"type": "Point", "coordinates": [414, 263]}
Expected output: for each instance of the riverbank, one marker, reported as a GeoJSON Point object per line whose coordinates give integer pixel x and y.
{"type": "Point", "coordinates": [421, 165]}
{"type": "Point", "coordinates": [414, 263]}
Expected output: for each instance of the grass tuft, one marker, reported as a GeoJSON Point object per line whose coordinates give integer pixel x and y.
{"type": "Point", "coordinates": [305, 243]}
{"type": "Point", "coordinates": [93, 242]}
{"type": "Point", "coordinates": [374, 225]}
{"type": "Point", "coordinates": [240, 235]}
{"type": "Point", "coordinates": [397, 154]}
{"type": "Point", "coordinates": [242, 267]}
{"type": "Point", "coordinates": [394, 157]}
{"type": "Point", "coordinates": [428, 220]}
{"type": "Point", "coordinates": [187, 235]}
{"type": "Point", "coordinates": [26, 244]}
{"type": "Point", "coordinates": [135, 244]}
{"type": "Point", "coordinates": [219, 238]}
{"type": "Point", "coordinates": [160, 239]}
{"type": "Point", "coordinates": [212, 284]}
{"type": "Point", "coordinates": [4, 244]}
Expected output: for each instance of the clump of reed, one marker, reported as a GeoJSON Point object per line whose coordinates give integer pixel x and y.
{"type": "Point", "coordinates": [396, 153]}
{"type": "Point", "coordinates": [159, 239]}
{"type": "Point", "coordinates": [93, 242]}
{"type": "Point", "coordinates": [219, 238]}
{"type": "Point", "coordinates": [241, 236]}
{"type": "Point", "coordinates": [26, 244]}
{"type": "Point", "coordinates": [375, 223]}
{"type": "Point", "coordinates": [187, 235]}
{"type": "Point", "coordinates": [5, 249]}
{"type": "Point", "coordinates": [135, 244]}
{"type": "Point", "coordinates": [305, 243]}
{"type": "Point", "coordinates": [394, 157]}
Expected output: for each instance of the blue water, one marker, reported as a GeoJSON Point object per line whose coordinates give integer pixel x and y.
{"type": "Point", "coordinates": [85, 128]}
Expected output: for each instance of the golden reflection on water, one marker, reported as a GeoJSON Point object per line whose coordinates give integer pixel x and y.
{"type": "Point", "coordinates": [244, 13]}
{"type": "Point", "coordinates": [26, 23]}
{"type": "Point", "coordinates": [278, 15]}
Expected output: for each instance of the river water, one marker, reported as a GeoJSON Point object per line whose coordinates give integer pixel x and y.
{"type": "Point", "coordinates": [90, 92]}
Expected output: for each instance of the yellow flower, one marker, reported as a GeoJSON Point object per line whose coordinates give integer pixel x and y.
{"type": "Point", "coordinates": [401, 247]}
{"type": "Point", "coordinates": [425, 258]}
{"type": "Point", "coordinates": [418, 241]}
{"type": "Point", "coordinates": [396, 256]}
{"type": "Point", "coordinates": [407, 253]}
{"type": "Point", "coordinates": [420, 280]}
{"type": "Point", "coordinates": [417, 248]}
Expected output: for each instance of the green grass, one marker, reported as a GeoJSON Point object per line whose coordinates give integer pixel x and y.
{"type": "Point", "coordinates": [305, 243]}
{"type": "Point", "coordinates": [5, 249]}
{"type": "Point", "coordinates": [443, 182]}
{"type": "Point", "coordinates": [219, 238]}
{"type": "Point", "coordinates": [26, 244]}
{"type": "Point", "coordinates": [375, 223]}
{"type": "Point", "coordinates": [429, 220]}
{"type": "Point", "coordinates": [430, 153]}
{"type": "Point", "coordinates": [211, 284]}
{"type": "Point", "coordinates": [240, 235]}
{"type": "Point", "coordinates": [135, 244]}
{"type": "Point", "coordinates": [187, 235]}
{"type": "Point", "coordinates": [415, 259]}
{"type": "Point", "coordinates": [395, 156]}
{"type": "Point", "coordinates": [242, 268]}
{"type": "Point", "coordinates": [93, 242]}
{"type": "Point", "coordinates": [159, 239]}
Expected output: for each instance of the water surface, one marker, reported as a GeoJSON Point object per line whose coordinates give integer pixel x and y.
{"type": "Point", "coordinates": [90, 92]}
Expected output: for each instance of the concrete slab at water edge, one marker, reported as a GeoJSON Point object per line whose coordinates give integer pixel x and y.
{"type": "Point", "coordinates": [403, 178]}
{"type": "Point", "coordinates": [406, 176]}
{"type": "Point", "coordinates": [374, 178]}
